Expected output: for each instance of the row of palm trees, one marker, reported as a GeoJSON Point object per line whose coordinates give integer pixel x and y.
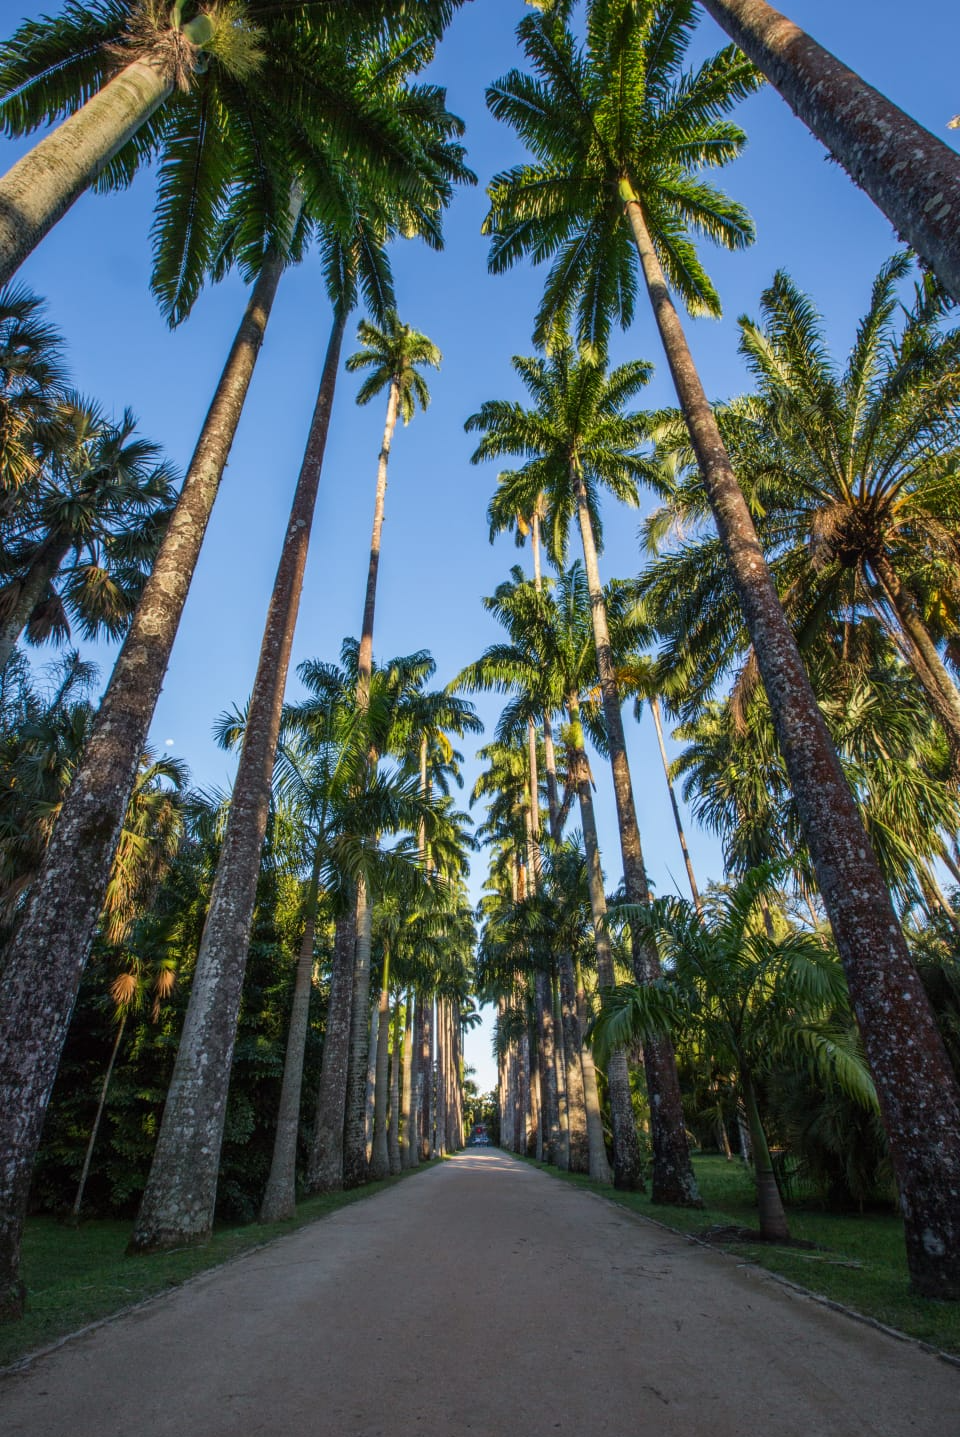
{"type": "Point", "coordinates": [359, 151]}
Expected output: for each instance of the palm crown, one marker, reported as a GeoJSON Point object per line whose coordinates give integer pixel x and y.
{"type": "Point", "coordinates": [393, 353]}
{"type": "Point", "coordinates": [617, 118]}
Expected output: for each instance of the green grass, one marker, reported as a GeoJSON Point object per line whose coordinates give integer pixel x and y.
{"type": "Point", "coordinates": [75, 1276]}
{"type": "Point", "coordinates": [877, 1286]}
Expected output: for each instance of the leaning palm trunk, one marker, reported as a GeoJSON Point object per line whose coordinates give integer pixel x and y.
{"type": "Point", "coordinates": [916, 1087]}
{"type": "Point", "coordinates": [627, 1166]}
{"type": "Point", "coordinates": [180, 1195]}
{"type": "Point", "coordinates": [911, 175]}
{"type": "Point", "coordinates": [280, 1197]}
{"type": "Point", "coordinates": [33, 586]}
{"type": "Point", "coordinates": [40, 188]}
{"type": "Point", "coordinates": [380, 1157]}
{"type": "Point", "coordinates": [673, 1179]}
{"type": "Point", "coordinates": [325, 1164]}
{"type": "Point", "coordinates": [92, 1142]}
{"type": "Point", "coordinates": [354, 1138]}
{"type": "Point", "coordinates": [408, 1128]}
{"type": "Point", "coordinates": [921, 653]}
{"type": "Point", "coordinates": [396, 1059]}
{"type": "Point", "coordinates": [47, 957]}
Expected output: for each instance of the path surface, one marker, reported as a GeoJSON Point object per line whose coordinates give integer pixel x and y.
{"type": "Point", "coordinates": [483, 1297]}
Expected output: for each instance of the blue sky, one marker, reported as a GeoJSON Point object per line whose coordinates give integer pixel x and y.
{"type": "Point", "coordinates": [436, 560]}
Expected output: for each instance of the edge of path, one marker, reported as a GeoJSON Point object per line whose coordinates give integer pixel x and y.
{"type": "Point", "coordinates": [765, 1272]}
{"type": "Point", "coordinates": [348, 1198]}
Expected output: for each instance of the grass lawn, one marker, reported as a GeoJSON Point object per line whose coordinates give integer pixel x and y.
{"type": "Point", "coordinates": [75, 1276]}
{"type": "Point", "coordinates": [858, 1261]}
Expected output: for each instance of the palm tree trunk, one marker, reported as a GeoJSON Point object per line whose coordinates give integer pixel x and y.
{"type": "Point", "coordinates": [560, 1067]}
{"type": "Point", "coordinates": [46, 959]}
{"type": "Point", "coordinates": [280, 1197]}
{"type": "Point", "coordinates": [325, 1165]}
{"type": "Point", "coordinates": [440, 1132]}
{"type": "Point", "coordinates": [599, 1165]}
{"type": "Point", "coordinates": [370, 1095]}
{"type": "Point", "coordinates": [88, 1156]}
{"type": "Point", "coordinates": [426, 1082]}
{"type": "Point", "coordinates": [40, 188]}
{"type": "Point", "coordinates": [354, 1143]}
{"type": "Point", "coordinates": [578, 1159]}
{"type": "Point", "coordinates": [673, 1179]}
{"type": "Point", "coordinates": [913, 177]}
{"type": "Point", "coordinates": [916, 1087]}
{"type": "Point", "coordinates": [180, 1195]}
{"type": "Point", "coordinates": [546, 1053]}
{"type": "Point", "coordinates": [380, 1159]}
{"type": "Point", "coordinates": [365, 655]}
{"type": "Point", "coordinates": [773, 1219]}
{"type": "Point", "coordinates": [627, 1165]}
{"type": "Point", "coordinates": [655, 710]}
{"type": "Point", "coordinates": [408, 1145]}
{"type": "Point", "coordinates": [396, 1063]}
{"type": "Point", "coordinates": [922, 653]}
{"type": "Point", "coordinates": [33, 586]}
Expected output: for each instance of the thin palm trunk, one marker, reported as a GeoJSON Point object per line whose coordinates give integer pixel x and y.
{"type": "Point", "coordinates": [673, 1179]}
{"type": "Point", "coordinates": [627, 1165]}
{"type": "Point", "coordinates": [916, 1087]}
{"type": "Point", "coordinates": [440, 1130]}
{"type": "Point", "coordinates": [380, 1158]}
{"type": "Point", "coordinates": [180, 1195]}
{"type": "Point", "coordinates": [365, 655]}
{"type": "Point", "coordinates": [396, 1063]}
{"type": "Point", "coordinates": [33, 586]}
{"type": "Point", "coordinates": [922, 652]}
{"type": "Point", "coordinates": [773, 1219]}
{"type": "Point", "coordinates": [578, 1145]}
{"type": "Point", "coordinates": [354, 1140]}
{"type": "Point", "coordinates": [39, 189]}
{"type": "Point", "coordinates": [370, 1099]}
{"type": "Point", "coordinates": [426, 1082]}
{"type": "Point", "coordinates": [280, 1197]}
{"type": "Point", "coordinates": [325, 1165]}
{"type": "Point", "coordinates": [912, 176]}
{"type": "Point", "coordinates": [599, 1164]}
{"type": "Point", "coordinates": [655, 710]}
{"type": "Point", "coordinates": [91, 1144]}
{"type": "Point", "coordinates": [408, 1146]}
{"type": "Point", "coordinates": [560, 1064]}
{"type": "Point", "coordinates": [46, 959]}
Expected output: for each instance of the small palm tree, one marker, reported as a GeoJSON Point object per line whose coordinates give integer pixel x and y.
{"type": "Point", "coordinates": [755, 1000]}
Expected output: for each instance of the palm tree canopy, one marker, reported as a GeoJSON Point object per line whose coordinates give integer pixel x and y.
{"type": "Point", "coordinates": [616, 118]}
{"type": "Point", "coordinates": [394, 353]}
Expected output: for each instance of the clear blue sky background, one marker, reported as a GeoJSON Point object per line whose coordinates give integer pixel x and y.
{"type": "Point", "coordinates": [437, 562]}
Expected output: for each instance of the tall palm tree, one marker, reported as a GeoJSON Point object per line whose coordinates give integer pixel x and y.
{"type": "Point", "coordinates": [911, 175]}
{"type": "Point", "coordinates": [578, 438]}
{"type": "Point", "coordinates": [620, 132]}
{"type": "Point", "coordinates": [81, 538]}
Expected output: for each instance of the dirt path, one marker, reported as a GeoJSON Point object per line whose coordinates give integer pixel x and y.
{"type": "Point", "coordinates": [483, 1297]}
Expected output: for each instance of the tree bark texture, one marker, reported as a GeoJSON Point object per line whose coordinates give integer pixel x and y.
{"type": "Point", "coordinates": [47, 957]}
{"type": "Point", "coordinates": [408, 1146]}
{"type": "Point", "coordinates": [426, 1082]}
{"type": "Point", "coordinates": [440, 1130]}
{"type": "Point", "coordinates": [673, 1179]}
{"type": "Point", "coordinates": [180, 1196]}
{"type": "Point", "coordinates": [678, 821]}
{"type": "Point", "coordinates": [578, 1140]}
{"type": "Point", "coordinates": [916, 1087]}
{"type": "Point", "coordinates": [546, 1052]}
{"type": "Point", "coordinates": [354, 1137]}
{"type": "Point", "coordinates": [913, 177]}
{"type": "Point", "coordinates": [370, 1092]}
{"type": "Point", "coordinates": [325, 1167]}
{"type": "Point", "coordinates": [40, 188]}
{"type": "Point", "coordinates": [280, 1196]}
{"type": "Point", "coordinates": [396, 1062]}
{"type": "Point", "coordinates": [560, 1068]}
{"type": "Point", "coordinates": [627, 1164]}
{"type": "Point", "coordinates": [33, 586]}
{"type": "Point", "coordinates": [380, 1158]}
{"type": "Point", "coordinates": [773, 1219]}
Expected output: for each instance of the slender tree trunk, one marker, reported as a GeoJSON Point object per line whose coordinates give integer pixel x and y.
{"type": "Point", "coordinates": [325, 1166]}
{"type": "Point", "coordinates": [550, 1103]}
{"type": "Point", "coordinates": [578, 1141]}
{"type": "Point", "coordinates": [599, 1164]}
{"type": "Point", "coordinates": [627, 1165]}
{"type": "Point", "coordinates": [365, 655]}
{"type": "Point", "coordinates": [440, 1133]}
{"type": "Point", "coordinates": [408, 1146]}
{"type": "Point", "coordinates": [916, 1087]}
{"type": "Point", "coordinates": [33, 586]}
{"type": "Point", "coordinates": [426, 1082]}
{"type": "Point", "coordinates": [370, 1097]}
{"type": "Point", "coordinates": [46, 958]}
{"type": "Point", "coordinates": [673, 1179]}
{"type": "Point", "coordinates": [280, 1197]}
{"type": "Point", "coordinates": [396, 1063]}
{"type": "Point", "coordinates": [88, 1156]}
{"type": "Point", "coordinates": [354, 1144]}
{"type": "Point", "coordinates": [380, 1160]}
{"type": "Point", "coordinates": [560, 1067]}
{"type": "Point", "coordinates": [773, 1219]}
{"type": "Point", "coordinates": [655, 710]}
{"type": "Point", "coordinates": [40, 188]}
{"type": "Point", "coordinates": [913, 177]}
{"type": "Point", "coordinates": [922, 653]}
{"type": "Point", "coordinates": [178, 1203]}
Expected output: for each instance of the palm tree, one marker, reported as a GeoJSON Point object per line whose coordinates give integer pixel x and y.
{"type": "Point", "coordinates": [577, 438]}
{"type": "Point", "coordinates": [913, 177]}
{"type": "Point", "coordinates": [253, 84]}
{"type": "Point", "coordinates": [32, 384]}
{"type": "Point", "coordinates": [84, 531]}
{"type": "Point", "coordinates": [619, 132]}
{"type": "Point", "coordinates": [752, 998]}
